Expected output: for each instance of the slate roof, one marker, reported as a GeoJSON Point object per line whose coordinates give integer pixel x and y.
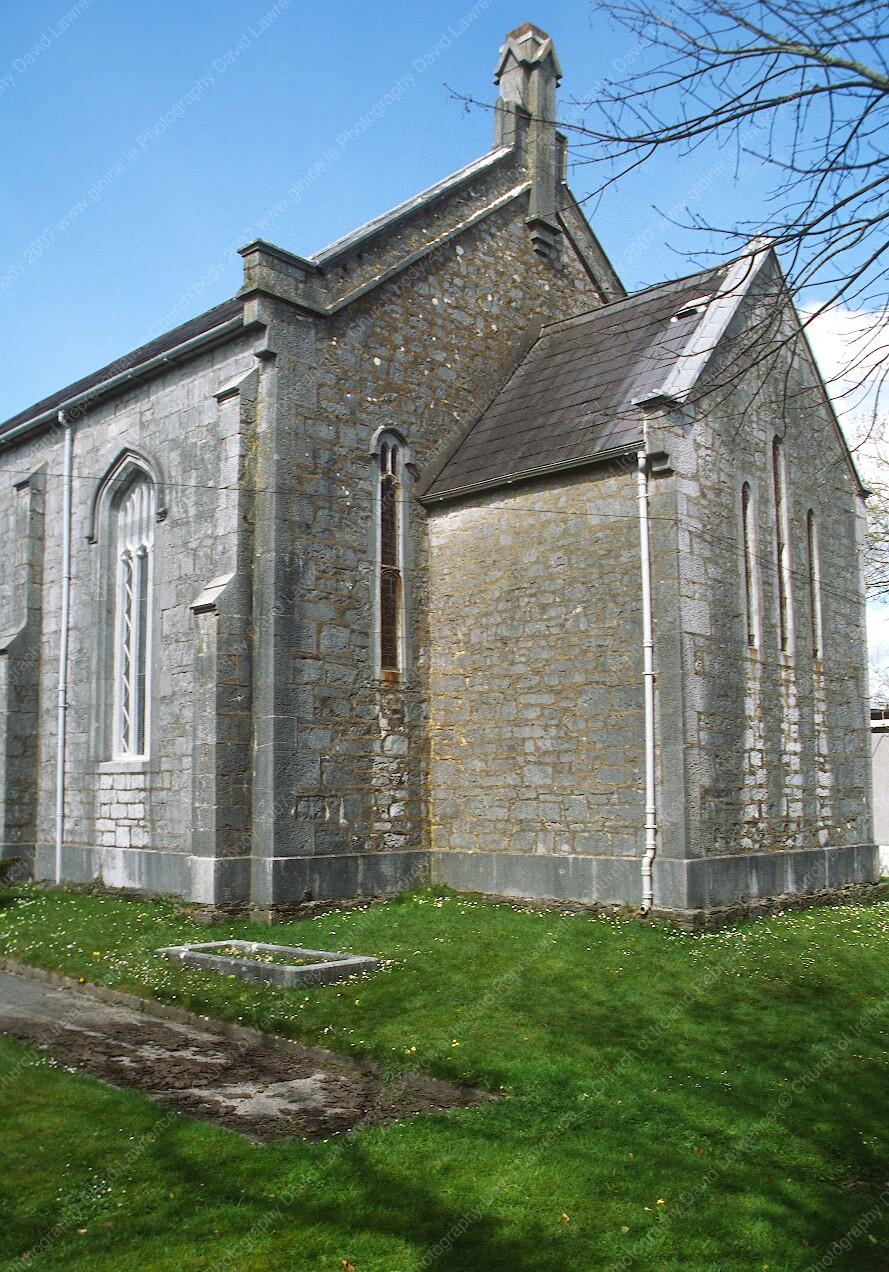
{"type": "Point", "coordinates": [573, 399]}
{"type": "Point", "coordinates": [178, 335]}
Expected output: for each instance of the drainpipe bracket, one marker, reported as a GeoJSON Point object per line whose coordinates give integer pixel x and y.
{"type": "Point", "coordinates": [659, 464]}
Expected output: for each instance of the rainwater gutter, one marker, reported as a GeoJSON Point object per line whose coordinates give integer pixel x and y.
{"type": "Point", "coordinates": [78, 402]}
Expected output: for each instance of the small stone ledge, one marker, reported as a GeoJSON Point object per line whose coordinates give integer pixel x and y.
{"type": "Point", "coordinates": [207, 600]}
{"type": "Point", "coordinates": [17, 641]}
{"type": "Point", "coordinates": [135, 870]}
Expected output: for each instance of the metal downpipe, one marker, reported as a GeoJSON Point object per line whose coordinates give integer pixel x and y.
{"type": "Point", "coordinates": [648, 686]}
{"type": "Point", "coordinates": [62, 708]}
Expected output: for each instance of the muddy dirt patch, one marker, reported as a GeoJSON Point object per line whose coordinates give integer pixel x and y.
{"type": "Point", "coordinates": [263, 1092]}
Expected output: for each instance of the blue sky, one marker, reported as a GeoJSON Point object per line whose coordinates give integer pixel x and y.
{"type": "Point", "coordinates": [143, 144]}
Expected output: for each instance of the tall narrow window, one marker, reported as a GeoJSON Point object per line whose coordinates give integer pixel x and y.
{"type": "Point", "coordinates": [782, 547]}
{"type": "Point", "coordinates": [133, 519]}
{"type": "Point", "coordinates": [751, 591]}
{"type": "Point", "coordinates": [391, 557]}
{"type": "Point", "coordinates": [814, 586]}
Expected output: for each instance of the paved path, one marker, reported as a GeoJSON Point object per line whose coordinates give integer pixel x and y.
{"type": "Point", "coordinates": [264, 1092]}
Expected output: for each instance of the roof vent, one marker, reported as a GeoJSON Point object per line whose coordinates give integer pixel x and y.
{"type": "Point", "coordinates": [693, 307]}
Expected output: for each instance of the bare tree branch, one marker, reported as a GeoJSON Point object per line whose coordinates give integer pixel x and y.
{"type": "Point", "coordinates": [803, 86]}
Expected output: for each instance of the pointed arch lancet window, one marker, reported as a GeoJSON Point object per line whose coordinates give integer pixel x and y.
{"type": "Point", "coordinates": [814, 586]}
{"type": "Point", "coordinates": [782, 547]}
{"type": "Point", "coordinates": [751, 590]}
{"type": "Point", "coordinates": [133, 512]}
{"type": "Point", "coordinates": [390, 582]}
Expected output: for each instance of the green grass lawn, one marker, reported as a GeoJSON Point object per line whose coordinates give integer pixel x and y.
{"type": "Point", "coordinates": [715, 1103]}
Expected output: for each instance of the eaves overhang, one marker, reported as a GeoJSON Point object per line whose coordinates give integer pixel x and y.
{"type": "Point", "coordinates": [526, 475]}
{"type": "Point", "coordinates": [719, 310]}
{"type": "Point", "coordinates": [158, 357]}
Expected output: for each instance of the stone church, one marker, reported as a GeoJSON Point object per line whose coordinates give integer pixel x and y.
{"type": "Point", "coordinates": [438, 556]}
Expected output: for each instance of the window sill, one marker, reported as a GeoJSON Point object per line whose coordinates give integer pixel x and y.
{"type": "Point", "coordinates": [124, 766]}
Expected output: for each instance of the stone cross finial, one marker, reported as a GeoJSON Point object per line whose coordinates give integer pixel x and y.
{"type": "Point", "coordinates": [528, 73]}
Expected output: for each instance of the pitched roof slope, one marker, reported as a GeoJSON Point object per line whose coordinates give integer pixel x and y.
{"type": "Point", "coordinates": [573, 398]}
{"type": "Point", "coordinates": [161, 344]}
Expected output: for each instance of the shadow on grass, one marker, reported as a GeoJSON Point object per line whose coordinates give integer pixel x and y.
{"type": "Point", "coordinates": [740, 1083]}
{"type": "Point", "coordinates": [784, 1190]}
{"type": "Point", "coordinates": [10, 892]}
{"type": "Point", "coordinates": [366, 1205]}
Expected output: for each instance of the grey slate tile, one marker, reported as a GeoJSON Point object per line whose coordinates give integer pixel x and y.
{"type": "Point", "coordinates": [572, 397]}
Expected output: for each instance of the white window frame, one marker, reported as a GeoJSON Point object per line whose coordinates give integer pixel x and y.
{"type": "Point", "coordinates": [816, 616]}
{"type": "Point", "coordinates": [749, 567]}
{"type": "Point", "coordinates": [133, 541]}
{"type": "Point", "coordinates": [783, 548]}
